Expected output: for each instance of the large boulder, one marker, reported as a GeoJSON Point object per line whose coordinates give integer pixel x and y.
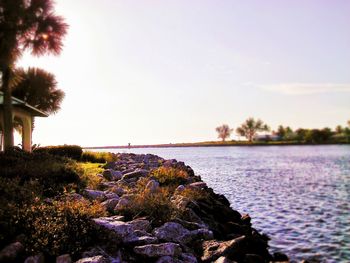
{"type": "Point", "coordinates": [158, 250]}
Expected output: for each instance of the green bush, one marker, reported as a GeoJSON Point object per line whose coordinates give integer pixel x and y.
{"type": "Point", "coordinates": [58, 227]}
{"type": "Point", "coordinates": [71, 151]}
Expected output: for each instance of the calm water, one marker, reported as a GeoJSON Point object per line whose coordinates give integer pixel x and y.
{"type": "Point", "coordinates": [298, 195]}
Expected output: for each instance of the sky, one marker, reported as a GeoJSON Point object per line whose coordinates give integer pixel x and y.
{"type": "Point", "coordinates": [147, 72]}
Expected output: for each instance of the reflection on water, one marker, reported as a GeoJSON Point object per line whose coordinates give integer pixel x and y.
{"type": "Point", "coordinates": [298, 195]}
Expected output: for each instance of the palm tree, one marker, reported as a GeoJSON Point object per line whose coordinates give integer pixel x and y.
{"type": "Point", "coordinates": [38, 88]}
{"type": "Point", "coordinates": [25, 25]}
{"type": "Point", "coordinates": [250, 128]}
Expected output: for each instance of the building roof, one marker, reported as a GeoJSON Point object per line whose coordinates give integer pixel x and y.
{"type": "Point", "coordinates": [22, 104]}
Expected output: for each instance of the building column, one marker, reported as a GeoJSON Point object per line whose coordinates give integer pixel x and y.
{"type": "Point", "coordinates": [27, 133]}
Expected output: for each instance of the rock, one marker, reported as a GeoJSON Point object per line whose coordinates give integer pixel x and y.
{"type": "Point", "coordinates": [123, 202]}
{"type": "Point", "coordinates": [158, 250]}
{"type": "Point", "coordinates": [152, 186]}
{"type": "Point", "coordinates": [224, 260]}
{"type": "Point", "coordinates": [140, 240]}
{"type": "Point", "coordinates": [110, 204]}
{"type": "Point", "coordinates": [118, 190]}
{"type": "Point", "coordinates": [12, 253]}
{"type": "Point", "coordinates": [168, 259]}
{"type": "Point", "coordinates": [180, 201]}
{"type": "Point", "coordinates": [190, 225]}
{"type": "Point", "coordinates": [112, 175]}
{"type": "Point", "coordinates": [94, 194]}
{"type": "Point", "coordinates": [119, 229]}
{"type": "Point", "coordinates": [198, 185]}
{"type": "Point", "coordinates": [135, 174]}
{"type": "Point", "coordinates": [188, 258]}
{"type": "Point", "coordinates": [202, 233]}
{"type": "Point", "coordinates": [213, 249]}
{"type": "Point", "coordinates": [64, 259]}
{"type": "Point", "coordinates": [174, 232]}
{"type": "Point", "coordinates": [111, 195]}
{"type": "Point", "coordinates": [96, 259]}
{"type": "Point", "coordinates": [140, 224]}
{"type": "Point", "coordinates": [180, 189]}
{"type": "Point", "coordinates": [35, 259]}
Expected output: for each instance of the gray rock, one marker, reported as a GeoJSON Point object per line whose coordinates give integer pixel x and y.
{"type": "Point", "coordinates": [35, 259]}
{"type": "Point", "coordinates": [158, 250]}
{"type": "Point", "coordinates": [190, 225]}
{"type": "Point", "coordinates": [12, 252]}
{"type": "Point", "coordinates": [123, 202]}
{"type": "Point", "coordinates": [64, 259]}
{"type": "Point", "coordinates": [96, 259]}
{"type": "Point", "coordinates": [140, 240]}
{"type": "Point", "coordinates": [112, 175]}
{"type": "Point", "coordinates": [174, 232]}
{"type": "Point", "coordinates": [94, 194]}
{"type": "Point", "coordinates": [111, 195]}
{"type": "Point", "coordinates": [140, 224]}
{"type": "Point", "coordinates": [110, 204]}
{"type": "Point", "coordinates": [120, 230]}
{"type": "Point", "coordinates": [118, 190]}
{"type": "Point", "coordinates": [152, 186]}
{"type": "Point", "coordinates": [135, 174]}
{"type": "Point", "coordinates": [188, 258]}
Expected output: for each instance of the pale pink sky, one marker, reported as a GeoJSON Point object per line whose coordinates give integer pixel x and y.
{"type": "Point", "coordinates": [171, 71]}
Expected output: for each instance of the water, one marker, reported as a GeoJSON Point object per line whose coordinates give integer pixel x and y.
{"type": "Point", "coordinates": [298, 195]}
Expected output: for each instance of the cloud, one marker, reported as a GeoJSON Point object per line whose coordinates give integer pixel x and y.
{"type": "Point", "coordinates": [306, 88]}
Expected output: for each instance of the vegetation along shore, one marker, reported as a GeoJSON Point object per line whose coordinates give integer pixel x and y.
{"type": "Point", "coordinates": [65, 205]}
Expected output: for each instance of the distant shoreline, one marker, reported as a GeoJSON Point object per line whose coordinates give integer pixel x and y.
{"type": "Point", "coordinates": [212, 144]}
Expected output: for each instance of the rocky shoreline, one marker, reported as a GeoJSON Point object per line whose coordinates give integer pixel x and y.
{"type": "Point", "coordinates": [202, 226]}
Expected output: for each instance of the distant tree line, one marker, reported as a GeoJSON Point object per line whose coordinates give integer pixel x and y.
{"type": "Point", "coordinates": [251, 128]}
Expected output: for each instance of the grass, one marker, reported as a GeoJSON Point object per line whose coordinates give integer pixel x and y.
{"type": "Point", "coordinates": [88, 174]}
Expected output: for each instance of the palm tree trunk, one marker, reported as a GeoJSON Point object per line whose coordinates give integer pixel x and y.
{"type": "Point", "coordinates": [8, 120]}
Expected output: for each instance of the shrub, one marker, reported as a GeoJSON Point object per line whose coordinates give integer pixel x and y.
{"type": "Point", "coordinates": [53, 174]}
{"type": "Point", "coordinates": [154, 205]}
{"type": "Point", "coordinates": [59, 227]}
{"type": "Point", "coordinates": [88, 174]}
{"type": "Point", "coordinates": [98, 157]}
{"type": "Point", "coordinates": [71, 151]}
{"type": "Point", "coordinates": [13, 195]}
{"type": "Point", "coordinates": [170, 175]}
